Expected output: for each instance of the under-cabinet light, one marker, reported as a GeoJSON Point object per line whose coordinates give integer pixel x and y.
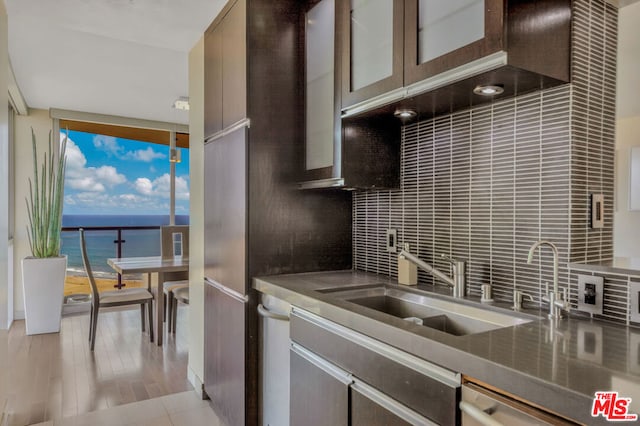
{"type": "Point", "coordinates": [489, 89]}
{"type": "Point", "coordinates": [405, 114]}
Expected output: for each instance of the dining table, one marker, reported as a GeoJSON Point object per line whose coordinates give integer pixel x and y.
{"type": "Point", "coordinates": [153, 265]}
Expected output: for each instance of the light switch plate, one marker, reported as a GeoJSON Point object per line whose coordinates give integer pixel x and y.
{"type": "Point", "coordinates": [634, 290]}
{"type": "Point", "coordinates": [590, 293]}
{"type": "Point", "coordinates": [597, 211]}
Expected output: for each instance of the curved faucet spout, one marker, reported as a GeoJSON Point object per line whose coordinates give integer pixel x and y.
{"type": "Point", "coordinates": [532, 250]}
{"type": "Point", "coordinates": [556, 301]}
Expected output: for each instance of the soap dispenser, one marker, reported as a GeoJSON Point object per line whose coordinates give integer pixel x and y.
{"type": "Point", "coordinates": [407, 271]}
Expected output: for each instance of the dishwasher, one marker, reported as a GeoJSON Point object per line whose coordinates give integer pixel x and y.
{"type": "Point", "coordinates": [274, 361]}
{"type": "Point", "coordinates": [482, 407]}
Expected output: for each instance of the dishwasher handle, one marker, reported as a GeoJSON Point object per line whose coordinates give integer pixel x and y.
{"type": "Point", "coordinates": [265, 313]}
{"type": "Point", "coordinates": [477, 414]}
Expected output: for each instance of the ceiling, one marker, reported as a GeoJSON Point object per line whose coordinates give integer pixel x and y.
{"type": "Point", "coordinates": [120, 57]}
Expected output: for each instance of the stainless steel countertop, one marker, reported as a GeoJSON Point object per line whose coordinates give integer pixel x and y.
{"type": "Point", "coordinates": [618, 265]}
{"type": "Point", "coordinates": [558, 367]}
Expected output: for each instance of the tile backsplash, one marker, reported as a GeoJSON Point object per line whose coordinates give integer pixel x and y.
{"type": "Point", "coordinates": [484, 184]}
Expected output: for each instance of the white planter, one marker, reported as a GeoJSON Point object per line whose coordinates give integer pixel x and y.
{"type": "Point", "coordinates": [43, 287]}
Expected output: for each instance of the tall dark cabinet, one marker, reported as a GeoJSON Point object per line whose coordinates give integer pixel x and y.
{"type": "Point", "coordinates": [256, 220]}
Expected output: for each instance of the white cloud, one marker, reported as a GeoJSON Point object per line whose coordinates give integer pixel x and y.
{"type": "Point", "coordinates": [103, 200]}
{"type": "Point", "coordinates": [130, 197]}
{"type": "Point", "coordinates": [144, 186]}
{"type": "Point", "coordinates": [144, 155]}
{"type": "Point", "coordinates": [92, 179]}
{"type": "Point", "coordinates": [161, 186]}
{"type": "Point", "coordinates": [110, 175]}
{"type": "Point", "coordinates": [182, 188]}
{"type": "Point", "coordinates": [85, 184]}
{"type": "Point", "coordinates": [108, 144]}
{"type": "Point", "coordinates": [75, 158]}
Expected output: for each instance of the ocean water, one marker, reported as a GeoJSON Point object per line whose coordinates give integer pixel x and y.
{"type": "Point", "coordinates": [100, 244]}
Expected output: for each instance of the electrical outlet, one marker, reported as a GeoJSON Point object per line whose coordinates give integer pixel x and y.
{"type": "Point", "coordinates": [590, 293]}
{"type": "Point", "coordinates": [392, 240]}
{"type": "Point", "coordinates": [590, 343]}
{"type": "Point", "coordinates": [634, 290]}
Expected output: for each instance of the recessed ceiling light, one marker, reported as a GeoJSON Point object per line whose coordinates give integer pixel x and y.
{"type": "Point", "coordinates": [489, 89]}
{"type": "Point", "coordinates": [181, 103]}
{"type": "Point", "coordinates": [405, 113]}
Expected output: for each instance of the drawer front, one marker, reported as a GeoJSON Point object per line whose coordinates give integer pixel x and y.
{"type": "Point", "coordinates": [424, 387]}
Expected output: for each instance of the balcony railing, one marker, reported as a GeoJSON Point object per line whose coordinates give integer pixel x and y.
{"type": "Point", "coordinates": [104, 242]}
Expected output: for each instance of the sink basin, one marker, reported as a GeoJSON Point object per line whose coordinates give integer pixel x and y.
{"type": "Point", "coordinates": [447, 316]}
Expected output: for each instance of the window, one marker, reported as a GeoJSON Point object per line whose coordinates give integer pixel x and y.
{"type": "Point", "coordinates": [117, 182]}
{"type": "Point", "coordinates": [108, 175]}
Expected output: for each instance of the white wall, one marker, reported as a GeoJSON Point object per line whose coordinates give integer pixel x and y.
{"type": "Point", "coordinates": [626, 224]}
{"type": "Point", "coordinates": [196, 215]}
{"type": "Point", "coordinates": [5, 269]}
{"type": "Point", "coordinates": [41, 123]}
{"type": "Point", "coordinates": [5, 247]}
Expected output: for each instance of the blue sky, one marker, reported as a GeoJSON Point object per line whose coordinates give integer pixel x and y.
{"type": "Point", "coordinates": [107, 175]}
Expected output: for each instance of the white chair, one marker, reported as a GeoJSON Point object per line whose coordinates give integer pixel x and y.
{"type": "Point", "coordinates": [172, 239]}
{"type": "Point", "coordinates": [131, 296]}
{"type": "Point", "coordinates": [181, 295]}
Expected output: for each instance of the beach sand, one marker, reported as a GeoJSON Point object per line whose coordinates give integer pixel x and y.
{"type": "Point", "coordinates": [74, 284]}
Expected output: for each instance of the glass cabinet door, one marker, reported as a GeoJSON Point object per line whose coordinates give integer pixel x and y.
{"type": "Point", "coordinates": [320, 75]}
{"type": "Point", "coordinates": [444, 26]}
{"type": "Point", "coordinates": [441, 35]}
{"type": "Point", "coordinates": [372, 39]}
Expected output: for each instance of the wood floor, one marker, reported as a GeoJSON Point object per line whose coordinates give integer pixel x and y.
{"type": "Point", "coordinates": [56, 375]}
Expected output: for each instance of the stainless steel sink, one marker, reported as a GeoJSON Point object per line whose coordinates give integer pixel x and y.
{"type": "Point", "coordinates": [451, 317]}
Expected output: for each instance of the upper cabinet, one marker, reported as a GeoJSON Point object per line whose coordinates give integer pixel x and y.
{"type": "Point", "coordinates": [397, 50]}
{"type": "Point", "coordinates": [322, 117]}
{"type": "Point", "coordinates": [372, 40]}
{"type": "Point", "coordinates": [359, 153]}
{"type": "Point", "coordinates": [225, 76]}
{"type": "Point", "coordinates": [440, 35]}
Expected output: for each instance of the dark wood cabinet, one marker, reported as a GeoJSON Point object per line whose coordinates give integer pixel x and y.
{"type": "Point", "coordinates": [225, 75]}
{"type": "Point", "coordinates": [371, 36]}
{"type": "Point", "coordinates": [234, 64]}
{"type": "Point", "coordinates": [213, 81]}
{"type": "Point", "coordinates": [256, 221]}
{"type": "Point", "coordinates": [344, 153]}
{"type": "Point", "coordinates": [225, 353]}
{"type": "Point", "coordinates": [225, 210]}
{"type": "Point", "coordinates": [449, 48]}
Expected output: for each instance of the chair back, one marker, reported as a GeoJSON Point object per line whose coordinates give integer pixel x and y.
{"type": "Point", "coordinates": [173, 239]}
{"type": "Point", "coordinates": [95, 299]}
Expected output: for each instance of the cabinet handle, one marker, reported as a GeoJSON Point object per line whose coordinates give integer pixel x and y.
{"type": "Point", "coordinates": [265, 313]}
{"type": "Point", "coordinates": [479, 415]}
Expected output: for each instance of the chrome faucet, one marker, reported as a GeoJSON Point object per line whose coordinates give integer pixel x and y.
{"type": "Point", "coordinates": [557, 302]}
{"type": "Point", "coordinates": [458, 279]}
